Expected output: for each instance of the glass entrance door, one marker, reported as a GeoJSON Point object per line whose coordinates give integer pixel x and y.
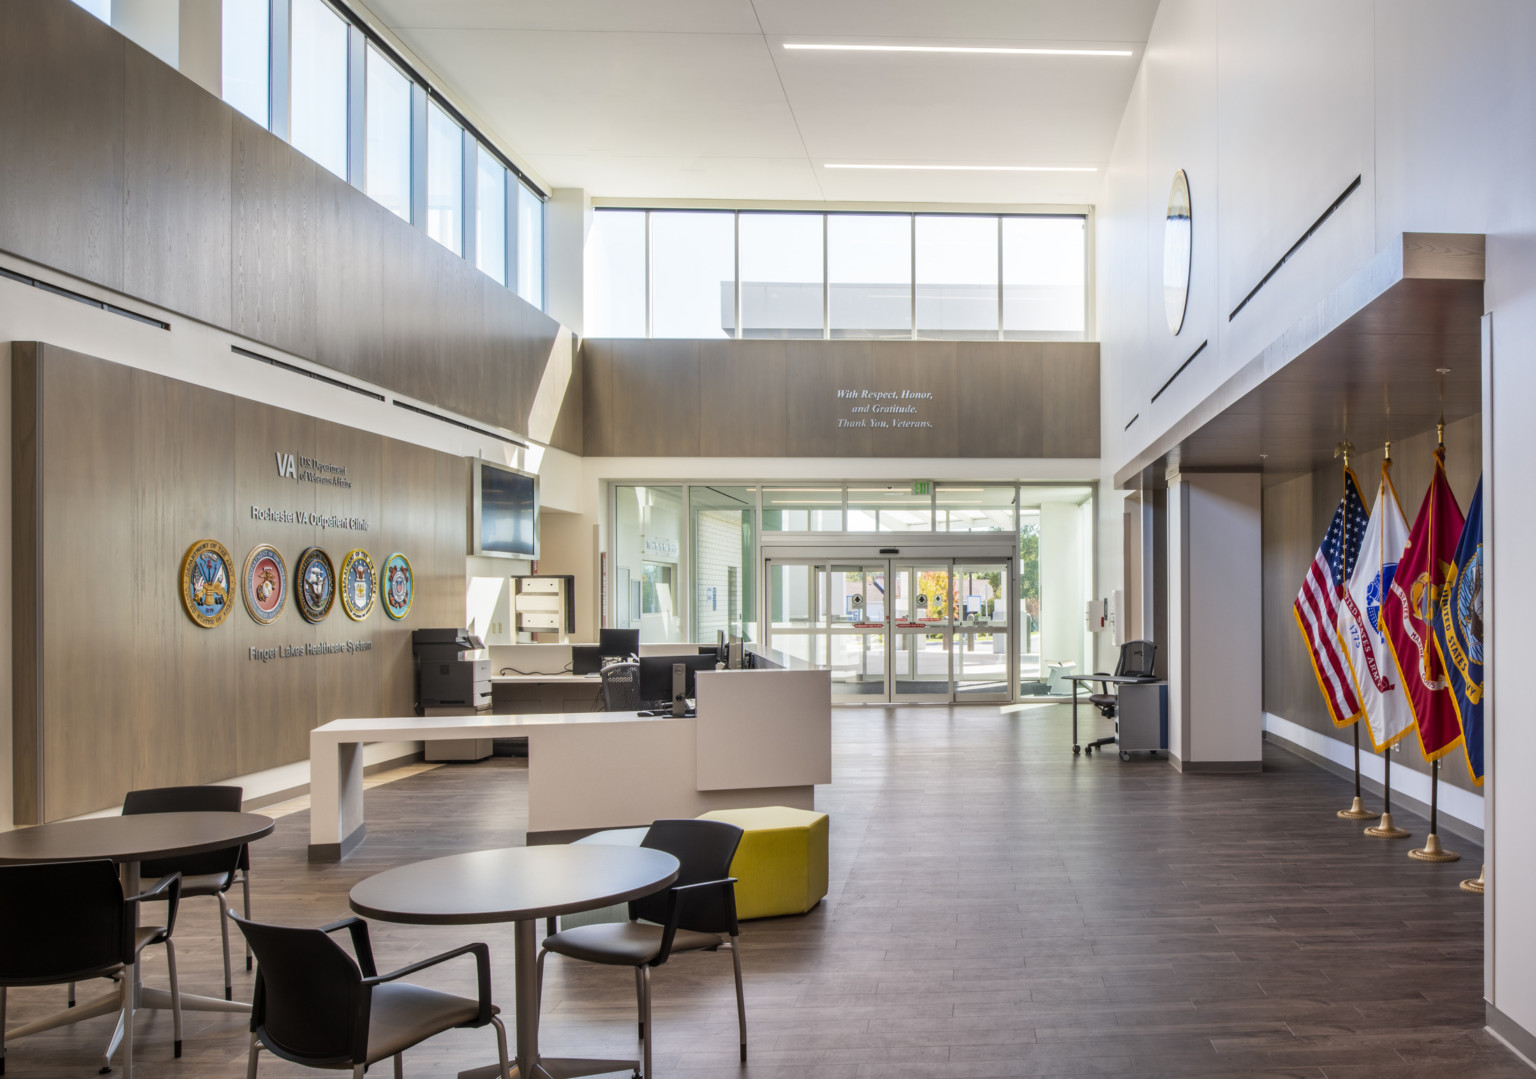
{"type": "Point", "coordinates": [894, 631]}
{"type": "Point", "coordinates": [982, 604]}
{"type": "Point", "coordinates": [920, 623]}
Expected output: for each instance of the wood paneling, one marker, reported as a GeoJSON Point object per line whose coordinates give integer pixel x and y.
{"type": "Point", "coordinates": [1000, 412]}
{"type": "Point", "coordinates": [273, 274]}
{"type": "Point", "coordinates": [743, 398]}
{"type": "Point", "coordinates": [61, 139]}
{"type": "Point", "coordinates": [26, 587]}
{"type": "Point", "coordinates": [780, 398]}
{"type": "Point", "coordinates": [176, 190]}
{"type": "Point", "coordinates": [117, 169]}
{"type": "Point", "coordinates": [131, 693]}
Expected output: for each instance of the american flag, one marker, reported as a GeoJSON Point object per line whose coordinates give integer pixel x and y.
{"type": "Point", "coordinates": [1317, 605]}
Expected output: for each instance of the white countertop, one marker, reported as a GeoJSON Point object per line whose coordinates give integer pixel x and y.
{"type": "Point", "coordinates": [390, 728]}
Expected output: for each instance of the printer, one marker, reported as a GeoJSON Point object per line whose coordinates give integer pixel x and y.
{"type": "Point", "coordinates": [453, 672]}
{"type": "Point", "coordinates": [453, 678]}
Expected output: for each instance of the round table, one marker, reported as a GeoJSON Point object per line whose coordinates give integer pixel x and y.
{"type": "Point", "coordinates": [128, 841]}
{"type": "Point", "coordinates": [519, 885]}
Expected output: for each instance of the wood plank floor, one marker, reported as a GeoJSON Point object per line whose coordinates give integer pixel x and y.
{"type": "Point", "coordinates": [997, 908]}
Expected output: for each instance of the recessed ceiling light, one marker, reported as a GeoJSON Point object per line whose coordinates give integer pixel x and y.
{"type": "Point", "coordinates": [996, 50]}
{"type": "Point", "coordinates": [973, 168]}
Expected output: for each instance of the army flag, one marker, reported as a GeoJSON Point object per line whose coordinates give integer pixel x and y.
{"type": "Point", "coordinates": [1412, 603]}
{"type": "Point", "coordinates": [1459, 634]}
{"type": "Point", "coordinates": [1317, 604]}
{"type": "Point", "coordinates": [1387, 714]}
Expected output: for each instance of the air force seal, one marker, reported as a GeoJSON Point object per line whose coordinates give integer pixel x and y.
{"type": "Point", "coordinates": [359, 585]}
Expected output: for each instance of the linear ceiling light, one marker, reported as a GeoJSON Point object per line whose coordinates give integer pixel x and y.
{"type": "Point", "coordinates": [997, 50]}
{"type": "Point", "coordinates": [974, 168]}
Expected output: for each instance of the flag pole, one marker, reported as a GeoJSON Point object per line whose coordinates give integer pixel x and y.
{"type": "Point", "coordinates": [1384, 828]}
{"type": "Point", "coordinates": [1432, 851]}
{"type": "Point", "coordinates": [1356, 810]}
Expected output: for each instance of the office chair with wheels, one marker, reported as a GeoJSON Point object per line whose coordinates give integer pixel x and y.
{"type": "Point", "coordinates": [68, 921]}
{"type": "Point", "coordinates": [1137, 659]}
{"type": "Point", "coordinates": [621, 687]}
{"type": "Point", "coordinates": [314, 1005]}
{"type": "Point", "coordinates": [690, 916]}
{"type": "Point", "coordinates": [211, 874]}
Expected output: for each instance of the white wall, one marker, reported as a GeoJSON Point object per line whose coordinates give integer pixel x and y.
{"type": "Point", "coordinates": [1273, 109]}
{"type": "Point", "coordinates": [1061, 585]}
{"type": "Point", "coordinates": [1216, 624]}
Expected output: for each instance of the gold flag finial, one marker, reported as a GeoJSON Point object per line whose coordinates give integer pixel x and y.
{"type": "Point", "coordinates": [1343, 449]}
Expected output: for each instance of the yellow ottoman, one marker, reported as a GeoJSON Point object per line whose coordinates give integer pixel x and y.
{"type": "Point", "coordinates": [781, 865]}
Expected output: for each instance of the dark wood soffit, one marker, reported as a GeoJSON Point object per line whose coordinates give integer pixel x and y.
{"type": "Point", "coordinates": [1366, 370]}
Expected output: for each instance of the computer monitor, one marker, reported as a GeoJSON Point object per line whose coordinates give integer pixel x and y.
{"type": "Point", "coordinates": [656, 677]}
{"type": "Point", "coordinates": [618, 642]}
{"type": "Point", "coordinates": [586, 658]}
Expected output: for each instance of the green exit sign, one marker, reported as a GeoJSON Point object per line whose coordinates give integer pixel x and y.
{"type": "Point", "coordinates": [922, 487]}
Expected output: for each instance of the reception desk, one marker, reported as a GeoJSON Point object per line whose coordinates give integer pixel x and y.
{"type": "Point", "coordinates": [760, 737]}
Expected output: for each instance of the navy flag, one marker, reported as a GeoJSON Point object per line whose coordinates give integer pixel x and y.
{"type": "Point", "coordinates": [1459, 634]}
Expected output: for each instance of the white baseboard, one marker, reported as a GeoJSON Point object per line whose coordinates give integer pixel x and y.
{"type": "Point", "coordinates": [1462, 805]}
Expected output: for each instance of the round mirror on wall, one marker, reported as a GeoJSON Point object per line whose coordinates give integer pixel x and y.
{"type": "Point", "coordinates": [1176, 252]}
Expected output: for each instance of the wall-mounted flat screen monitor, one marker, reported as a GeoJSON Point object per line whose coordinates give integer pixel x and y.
{"type": "Point", "coordinates": [618, 642]}
{"type": "Point", "coordinates": [505, 512]}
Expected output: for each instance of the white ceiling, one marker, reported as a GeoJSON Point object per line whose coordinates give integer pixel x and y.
{"type": "Point", "coordinates": [698, 99]}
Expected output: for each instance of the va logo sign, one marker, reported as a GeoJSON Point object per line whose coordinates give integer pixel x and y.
{"type": "Point", "coordinates": [285, 466]}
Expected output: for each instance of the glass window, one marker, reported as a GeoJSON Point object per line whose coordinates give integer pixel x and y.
{"type": "Point", "coordinates": [693, 274]}
{"type": "Point", "coordinates": [247, 32]}
{"type": "Point", "coordinates": [647, 539]}
{"type": "Point", "coordinates": [530, 249]}
{"type": "Point", "coordinates": [1044, 276]}
{"type": "Point", "coordinates": [445, 179]}
{"type": "Point", "coordinates": [319, 84]}
{"type": "Point", "coordinates": [888, 509]}
{"type": "Point", "coordinates": [388, 169]}
{"type": "Point", "coordinates": [490, 215]}
{"type": "Point", "coordinates": [869, 271]}
{"type": "Point", "coordinates": [615, 274]}
{"type": "Point", "coordinates": [802, 509]}
{"type": "Point", "coordinates": [957, 276]}
{"type": "Point", "coordinates": [102, 9]}
{"type": "Point", "coordinates": [974, 508]}
{"type": "Point", "coordinates": [722, 560]}
{"type": "Point", "coordinates": [781, 275]}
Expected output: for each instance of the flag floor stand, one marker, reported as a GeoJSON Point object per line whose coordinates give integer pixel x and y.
{"type": "Point", "coordinates": [1356, 810]}
{"type": "Point", "coordinates": [1431, 851]}
{"type": "Point", "coordinates": [1475, 885]}
{"type": "Point", "coordinates": [1385, 829]}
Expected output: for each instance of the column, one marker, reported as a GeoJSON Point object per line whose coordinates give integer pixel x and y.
{"type": "Point", "coordinates": [1215, 622]}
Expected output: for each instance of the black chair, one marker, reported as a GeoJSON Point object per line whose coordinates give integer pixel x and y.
{"type": "Point", "coordinates": [315, 1006]}
{"type": "Point", "coordinates": [211, 874]}
{"type": "Point", "coordinates": [690, 916]}
{"type": "Point", "coordinates": [67, 921]}
{"type": "Point", "coordinates": [621, 687]}
{"type": "Point", "coordinates": [1137, 659]}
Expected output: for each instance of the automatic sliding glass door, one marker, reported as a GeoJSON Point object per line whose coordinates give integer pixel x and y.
{"type": "Point", "coordinates": [921, 630]}
{"type": "Point", "coordinates": [859, 614]}
{"type": "Point", "coordinates": [982, 603]}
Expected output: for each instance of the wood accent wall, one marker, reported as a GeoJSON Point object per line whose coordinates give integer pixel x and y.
{"type": "Point", "coordinates": [1296, 516]}
{"type": "Point", "coordinates": [117, 169]}
{"type": "Point", "coordinates": [117, 471]}
{"type": "Point", "coordinates": [665, 398]}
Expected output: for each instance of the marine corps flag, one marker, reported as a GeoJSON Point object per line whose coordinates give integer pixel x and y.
{"type": "Point", "coordinates": [1411, 605]}
{"type": "Point", "coordinates": [1387, 715]}
{"type": "Point", "coordinates": [1459, 633]}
